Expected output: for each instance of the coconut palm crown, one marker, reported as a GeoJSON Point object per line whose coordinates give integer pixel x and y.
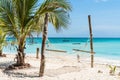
{"type": "Point", "coordinates": [17, 17]}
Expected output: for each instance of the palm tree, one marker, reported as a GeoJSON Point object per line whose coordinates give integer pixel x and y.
{"type": "Point", "coordinates": [19, 19]}
{"type": "Point", "coordinates": [56, 12]}
{"type": "Point", "coordinates": [2, 42]}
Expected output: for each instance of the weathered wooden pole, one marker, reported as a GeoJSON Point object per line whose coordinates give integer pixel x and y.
{"type": "Point", "coordinates": [37, 53]}
{"type": "Point", "coordinates": [91, 41]}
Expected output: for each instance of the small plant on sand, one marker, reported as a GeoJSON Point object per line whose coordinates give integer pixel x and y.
{"type": "Point", "coordinates": [112, 70]}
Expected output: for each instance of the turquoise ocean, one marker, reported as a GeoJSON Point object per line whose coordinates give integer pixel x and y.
{"type": "Point", "coordinates": [103, 47]}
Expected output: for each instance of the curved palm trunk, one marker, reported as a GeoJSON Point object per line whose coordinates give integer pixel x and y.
{"type": "Point", "coordinates": [0, 52]}
{"type": "Point", "coordinates": [21, 54]}
{"type": "Point", "coordinates": [44, 36]}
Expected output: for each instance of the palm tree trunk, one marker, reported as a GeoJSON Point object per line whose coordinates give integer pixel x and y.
{"type": "Point", "coordinates": [21, 54]}
{"type": "Point", "coordinates": [0, 52]}
{"type": "Point", "coordinates": [44, 36]}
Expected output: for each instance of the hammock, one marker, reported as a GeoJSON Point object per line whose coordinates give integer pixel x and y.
{"type": "Point", "coordinates": [82, 51]}
{"type": "Point", "coordinates": [56, 50]}
{"type": "Point", "coordinates": [52, 48]}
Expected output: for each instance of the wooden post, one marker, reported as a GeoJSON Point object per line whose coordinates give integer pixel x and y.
{"type": "Point", "coordinates": [78, 58]}
{"type": "Point", "coordinates": [91, 41]}
{"type": "Point", "coordinates": [37, 53]}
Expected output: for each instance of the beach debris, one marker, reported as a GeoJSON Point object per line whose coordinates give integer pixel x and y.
{"type": "Point", "coordinates": [99, 71]}
{"type": "Point", "coordinates": [112, 70]}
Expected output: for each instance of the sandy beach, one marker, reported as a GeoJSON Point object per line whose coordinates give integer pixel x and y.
{"type": "Point", "coordinates": [78, 40]}
{"type": "Point", "coordinates": [60, 66]}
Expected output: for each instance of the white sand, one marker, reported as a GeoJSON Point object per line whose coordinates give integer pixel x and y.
{"type": "Point", "coordinates": [60, 66]}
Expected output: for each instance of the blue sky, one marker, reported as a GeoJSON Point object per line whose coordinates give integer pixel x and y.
{"type": "Point", "coordinates": [105, 15]}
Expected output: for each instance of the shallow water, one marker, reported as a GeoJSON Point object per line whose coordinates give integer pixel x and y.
{"type": "Point", "coordinates": [103, 47]}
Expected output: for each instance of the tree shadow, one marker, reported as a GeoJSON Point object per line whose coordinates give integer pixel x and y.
{"type": "Point", "coordinates": [4, 65]}
{"type": "Point", "coordinates": [19, 74]}
{"type": "Point", "coordinates": [15, 73]}
{"type": "Point", "coordinates": [31, 73]}
{"type": "Point", "coordinates": [62, 70]}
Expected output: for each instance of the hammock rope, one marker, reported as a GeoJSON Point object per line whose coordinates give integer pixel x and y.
{"type": "Point", "coordinates": [82, 48]}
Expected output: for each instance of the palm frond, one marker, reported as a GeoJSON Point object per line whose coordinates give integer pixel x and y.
{"type": "Point", "coordinates": [7, 15]}
{"type": "Point", "coordinates": [2, 39]}
{"type": "Point", "coordinates": [58, 12]}
{"type": "Point", "coordinates": [25, 10]}
{"type": "Point", "coordinates": [59, 19]}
